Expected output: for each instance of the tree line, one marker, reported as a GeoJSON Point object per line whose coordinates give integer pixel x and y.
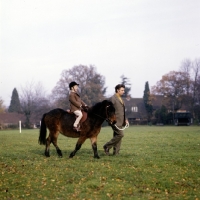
{"type": "Point", "coordinates": [33, 101]}
{"type": "Point", "coordinates": [178, 87]}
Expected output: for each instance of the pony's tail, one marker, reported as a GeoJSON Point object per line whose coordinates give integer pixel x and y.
{"type": "Point", "coordinates": [43, 132]}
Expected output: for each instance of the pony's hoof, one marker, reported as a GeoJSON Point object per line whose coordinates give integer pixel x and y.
{"type": "Point", "coordinates": [47, 154]}
{"type": "Point", "coordinates": [97, 157]}
{"type": "Point", "coordinates": [59, 153]}
{"type": "Point", "coordinates": [72, 155]}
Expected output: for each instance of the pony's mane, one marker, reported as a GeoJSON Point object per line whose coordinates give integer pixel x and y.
{"type": "Point", "coordinates": [98, 105]}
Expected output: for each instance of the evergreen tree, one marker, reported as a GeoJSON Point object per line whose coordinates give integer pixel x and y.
{"type": "Point", "coordinates": [127, 84]}
{"type": "Point", "coordinates": [161, 115]}
{"type": "Point", "coordinates": [14, 103]}
{"type": "Point", "coordinates": [147, 101]}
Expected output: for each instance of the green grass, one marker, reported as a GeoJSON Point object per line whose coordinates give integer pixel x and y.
{"type": "Point", "coordinates": [154, 163]}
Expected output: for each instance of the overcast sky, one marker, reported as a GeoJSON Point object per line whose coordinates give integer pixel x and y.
{"type": "Point", "coordinates": [140, 39]}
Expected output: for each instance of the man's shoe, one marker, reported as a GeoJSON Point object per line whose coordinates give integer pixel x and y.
{"type": "Point", "coordinates": [106, 150]}
{"type": "Point", "coordinates": [115, 152]}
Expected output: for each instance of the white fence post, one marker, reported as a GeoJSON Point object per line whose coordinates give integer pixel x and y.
{"type": "Point", "coordinates": [20, 129]}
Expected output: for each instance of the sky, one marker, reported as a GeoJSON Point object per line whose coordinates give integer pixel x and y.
{"type": "Point", "coordinates": [140, 39]}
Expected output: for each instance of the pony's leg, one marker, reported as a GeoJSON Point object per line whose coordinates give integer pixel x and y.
{"type": "Point", "coordinates": [94, 146]}
{"type": "Point", "coordinates": [79, 143]}
{"type": "Point", "coordinates": [54, 141]}
{"type": "Point", "coordinates": [48, 142]}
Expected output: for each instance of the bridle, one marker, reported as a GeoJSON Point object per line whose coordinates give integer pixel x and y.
{"type": "Point", "coordinates": [107, 118]}
{"type": "Point", "coordinates": [111, 123]}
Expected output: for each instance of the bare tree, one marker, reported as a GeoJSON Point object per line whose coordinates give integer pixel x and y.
{"type": "Point", "coordinates": [194, 85]}
{"type": "Point", "coordinates": [196, 74]}
{"type": "Point", "coordinates": [197, 103]}
{"type": "Point", "coordinates": [198, 91]}
{"type": "Point", "coordinates": [33, 102]}
{"type": "Point", "coordinates": [186, 67]}
{"type": "Point", "coordinates": [193, 72]}
{"type": "Point", "coordinates": [2, 107]}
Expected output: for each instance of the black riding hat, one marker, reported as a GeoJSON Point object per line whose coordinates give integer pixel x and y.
{"type": "Point", "coordinates": [72, 84]}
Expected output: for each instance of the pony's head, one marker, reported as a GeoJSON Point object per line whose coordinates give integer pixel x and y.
{"type": "Point", "coordinates": [104, 110]}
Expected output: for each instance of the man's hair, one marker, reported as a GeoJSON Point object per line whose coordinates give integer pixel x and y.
{"type": "Point", "coordinates": [117, 87]}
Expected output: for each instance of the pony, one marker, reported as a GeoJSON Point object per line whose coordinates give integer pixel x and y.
{"type": "Point", "coordinates": [60, 121]}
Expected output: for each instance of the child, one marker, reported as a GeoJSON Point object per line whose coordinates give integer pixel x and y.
{"type": "Point", "coordinates": [76, 104]}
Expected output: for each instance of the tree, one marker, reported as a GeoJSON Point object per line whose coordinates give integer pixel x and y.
{"type": "Point", "coordinates": [91, 86]}
{"type": "Point", "coordinates": [147, 101]}
{"type": "Point", "coordinates": [173, 86]}
{"type": "Point", "coordinates": [195, 80]}
{"type": "Point", "coordinates": [127, 84]}
{"type": "Point", "coordinates": [2, 107]}
{"type": "Point", "coordinates": [197, 104]}
{"type": "Point", "coordinates": [192, 69]}
{"type": "Point", "coordinates": [33, 102]}
{"type": "Point", "coordinates": [15, 102]}
{"type": "Point", "coordinates": [186, 66]}
{"type": "Point", "coordinates": [161, 115]}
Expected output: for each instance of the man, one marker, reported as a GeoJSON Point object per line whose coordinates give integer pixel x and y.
{"type": "Point", "coordinates": [115, 142]}
{"type": "Point", "coordinates": [76, 104]}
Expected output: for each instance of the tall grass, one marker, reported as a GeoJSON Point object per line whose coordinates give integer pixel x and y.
{"type": "Point", "coordinates": [154, 163]}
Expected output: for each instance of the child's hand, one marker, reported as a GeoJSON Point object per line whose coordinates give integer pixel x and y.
{"type": "Point", "coordinates": [85, 108]}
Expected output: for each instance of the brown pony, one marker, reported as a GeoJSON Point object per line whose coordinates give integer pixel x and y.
{"type": "Point", "coordinates": [60, 121]}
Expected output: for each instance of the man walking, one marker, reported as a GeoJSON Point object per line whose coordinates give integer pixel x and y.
{"type": "Point", "coordinates": [118, 103]}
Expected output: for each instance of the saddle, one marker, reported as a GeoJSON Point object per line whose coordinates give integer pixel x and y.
{"type": "Point", "coordinates": [84, 117]}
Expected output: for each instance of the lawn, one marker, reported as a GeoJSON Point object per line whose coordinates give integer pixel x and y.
{"type": "Point", "coordinates": [155, 162]}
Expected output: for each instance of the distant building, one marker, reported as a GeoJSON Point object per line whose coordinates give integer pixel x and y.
{"type": "Point", "coordinates": [136, 111]}
{"type": "Point", "coordinates": [11, 120]}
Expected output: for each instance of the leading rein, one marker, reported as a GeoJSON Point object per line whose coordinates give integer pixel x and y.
{"type": "Point", "coordinates": [121, 129]}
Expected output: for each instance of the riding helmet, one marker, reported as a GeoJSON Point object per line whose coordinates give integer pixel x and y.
{"type": "Point", "coordinates": [72, 84]}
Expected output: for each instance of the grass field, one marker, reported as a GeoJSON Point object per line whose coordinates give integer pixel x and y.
{"type": "Point", "coordinates": [154, 163]}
